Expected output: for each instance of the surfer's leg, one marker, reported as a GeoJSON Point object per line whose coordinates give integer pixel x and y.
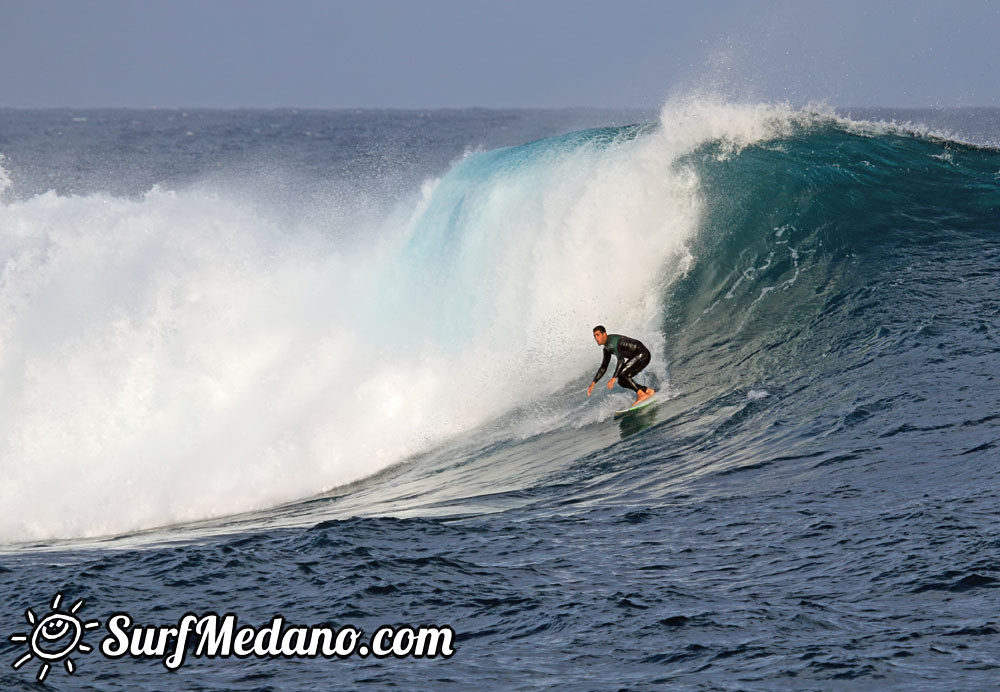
{"type": "Point", "coordinates": [625, 380]}
{"type": "Point", "coordinates": [634, 367]}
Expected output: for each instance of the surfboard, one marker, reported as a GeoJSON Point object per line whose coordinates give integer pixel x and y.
{"type": "Point", "coordinates": [632, 409]}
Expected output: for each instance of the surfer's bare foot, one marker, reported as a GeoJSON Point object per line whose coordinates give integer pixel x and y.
{"type": "Point", "coordinates": [643, 395]}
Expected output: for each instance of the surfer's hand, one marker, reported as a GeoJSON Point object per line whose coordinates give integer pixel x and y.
{"type": "Point", "coordinates": [611, 382]}
{"type": "Point", "coordinates": [590, 388]}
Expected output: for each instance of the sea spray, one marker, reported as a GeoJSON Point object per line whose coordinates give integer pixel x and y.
{"type": "Point", "coordinates": [179, 355]}
{"type": "Point", "coordinates": [5, 181]}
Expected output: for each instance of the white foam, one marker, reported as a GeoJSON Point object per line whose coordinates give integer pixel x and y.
{"type": "Point", "coordinates": [182, 356]}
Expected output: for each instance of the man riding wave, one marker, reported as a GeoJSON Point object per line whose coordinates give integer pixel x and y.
{"type": "Point", "coordinates": [632, 357]}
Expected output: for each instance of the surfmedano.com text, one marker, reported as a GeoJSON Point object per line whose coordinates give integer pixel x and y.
{"type": "Point", "coordinates": [219, 636]}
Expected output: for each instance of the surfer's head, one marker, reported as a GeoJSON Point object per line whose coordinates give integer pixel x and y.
{"type": "Point", "coordinates": [600, 334]}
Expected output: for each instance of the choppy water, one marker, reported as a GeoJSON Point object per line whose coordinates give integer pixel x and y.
{"type": "Point", "coordinates": [332, 366]}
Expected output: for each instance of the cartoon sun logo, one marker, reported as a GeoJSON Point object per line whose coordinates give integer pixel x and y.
{"type": "Point", "coordinates": [54, 637]}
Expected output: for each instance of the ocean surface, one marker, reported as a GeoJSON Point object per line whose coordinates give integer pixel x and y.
{"type": "Point", "coordinates": [332, 367]}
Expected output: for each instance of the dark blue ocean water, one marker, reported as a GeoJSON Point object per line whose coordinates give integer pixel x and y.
{"type": "Point", "coordinates": [332, 366]}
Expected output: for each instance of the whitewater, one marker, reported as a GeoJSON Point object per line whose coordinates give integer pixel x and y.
{"type": "Point", "coordinates": [146, 335]}
{"type": "Point", "coordinates": [333, 365]}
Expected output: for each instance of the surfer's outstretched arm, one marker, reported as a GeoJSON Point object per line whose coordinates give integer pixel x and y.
{"type": "Point", "coordinates": [600, 371]}
{"type": "Point", "coordinates": [618, 369]}
{"type": "Point", "coordinates": [604, 365]}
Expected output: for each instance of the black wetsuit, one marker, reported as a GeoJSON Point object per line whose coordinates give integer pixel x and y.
{"type": "Point", "coordinates": [632, 357]}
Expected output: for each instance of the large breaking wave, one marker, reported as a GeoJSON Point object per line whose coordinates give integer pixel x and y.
{"type": "Point", "coordinates": [185, 355]}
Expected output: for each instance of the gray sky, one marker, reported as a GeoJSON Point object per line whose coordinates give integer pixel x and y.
{"type": "Point", "coordinates": [445, 53]}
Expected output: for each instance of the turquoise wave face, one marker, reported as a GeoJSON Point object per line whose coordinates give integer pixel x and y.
{"type": "Point", "coordinates": [492, 227]}
{"type": "Point", "coordinates": [832, 248]}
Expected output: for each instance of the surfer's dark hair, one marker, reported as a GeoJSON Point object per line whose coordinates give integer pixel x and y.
{"type": "Point", "coordinates": [600, 328]}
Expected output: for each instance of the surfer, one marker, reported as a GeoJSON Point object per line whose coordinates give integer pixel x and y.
{"type": "Point", "coordinates": [632, 357]}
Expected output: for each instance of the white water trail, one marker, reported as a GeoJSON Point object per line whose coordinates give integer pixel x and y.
{"type": "Point", "coordinates": [181, 356]}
